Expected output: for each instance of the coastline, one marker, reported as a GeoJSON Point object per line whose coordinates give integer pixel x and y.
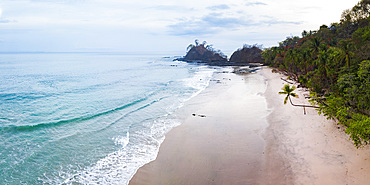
{"type": "Point", "coordinates": [308, 149]}
{"type": "Point", "coordinates": [281, 146]}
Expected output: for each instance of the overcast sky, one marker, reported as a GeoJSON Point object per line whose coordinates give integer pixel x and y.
{"type": "Point", "coordinates": [157, 25]}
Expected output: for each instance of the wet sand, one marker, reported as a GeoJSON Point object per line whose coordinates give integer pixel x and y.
{"type": "Point", "coordinates": [238, 131]}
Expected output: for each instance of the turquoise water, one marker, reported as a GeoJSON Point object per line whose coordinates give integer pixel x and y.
{"type": "Point", "coordinates": [88, 118]}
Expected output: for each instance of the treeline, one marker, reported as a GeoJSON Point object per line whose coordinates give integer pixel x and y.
{"type": "Point", "coordinates": [334, 63]}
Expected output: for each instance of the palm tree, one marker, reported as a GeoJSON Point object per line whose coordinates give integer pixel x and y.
{"type": "Point", "coordinates": [189, 47]}
{"type": "Point", "coordinates": [291, 56]}
{"type": "Point", "coordinates": [314, 46]}
{"type": "Point", "coordinates": [322, 62]}
{"type": "Point", "coordinates": [289, 92]}
{"type": "Point", "coordinates": [305, 58]}
{"type": "Point", "coordinates": [347, 53]}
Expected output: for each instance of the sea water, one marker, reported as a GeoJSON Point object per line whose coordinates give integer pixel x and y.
{"type": "Point", "coordinates": [88, 118]}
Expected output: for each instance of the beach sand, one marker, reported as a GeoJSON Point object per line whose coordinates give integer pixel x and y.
{"type": "Point", "coordinates": [308, 149]}
{"type": "Point", "coordinates": [234, 134]}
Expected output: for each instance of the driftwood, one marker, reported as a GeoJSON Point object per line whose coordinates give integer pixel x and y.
{"type": "Point", "coordinates": [286, 81]}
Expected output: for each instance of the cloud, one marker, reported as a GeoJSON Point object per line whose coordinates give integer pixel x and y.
{"type": "Point", "coordinates": [3, 20]}
{"type": "Point", "coordinates": [171, 8]}
{"type": "Point", "coordinates": [219, 7]}
{"type": "Point", "coordinates": [208, 24]}
{"type": "Point", "coordinates": [272, 22]}
{"type": "Point", "coordinates": [269, 20]}
{"type": "Point", "coordinates": [218, 22]}
{"type": "Point", "coordinates": [58, 1]}
{"type": "Point", "coordinates": [255, 3]}
{"type": "Point", "coordinates": [118, 24]}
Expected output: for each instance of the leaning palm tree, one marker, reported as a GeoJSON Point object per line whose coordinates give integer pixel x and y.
{"type": "Point", "coordinates": [289, 92]}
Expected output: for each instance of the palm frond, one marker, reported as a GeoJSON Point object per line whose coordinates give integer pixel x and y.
{"type": "Point", "coordinates": [286, 88]}
{"type": "Point", "coordinates": [286, 99]}
{"type": "Point", "coordinates": [288, 91]}
{"type": "Point", "coordinates": [294, 95]}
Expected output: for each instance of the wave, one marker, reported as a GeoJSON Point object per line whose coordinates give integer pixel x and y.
{"type": "Point", "coordinates": [16, 128]}
{"type": "Point", "coordinates": [141, 146]}
{"type": "Point", "coordinates": [129, 113]}
{"type": "Point", "coordinates": [118, 167]}
{"type": "Point", "coordinates": [24, 96]}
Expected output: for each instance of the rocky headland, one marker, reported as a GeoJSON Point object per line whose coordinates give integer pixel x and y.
{"type": "Point", "coordinates": [246, 56]}
{"type": "Point", "coordinates": [203, 54]}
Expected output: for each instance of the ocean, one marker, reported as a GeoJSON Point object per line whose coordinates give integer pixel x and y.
{"type": "Point", "coordinates": [88, 118]}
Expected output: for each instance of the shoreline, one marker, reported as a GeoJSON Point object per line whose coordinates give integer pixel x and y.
{"type": "Point", "coordinates": [212, 149]}
{"type": "Point", "coordinates": [311, 149]}
{"type": "Point", "coordinates": [283, 147]}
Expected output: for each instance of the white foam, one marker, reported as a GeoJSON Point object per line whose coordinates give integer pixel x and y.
{"type": "Point", "coordinates": [122, 140]}
{"type": "Point", "coordinates": [201, 78]}
{"type": "Point", "coordinates": [119, 167]}
{"type": "Point", "coordinates": [139, 146]}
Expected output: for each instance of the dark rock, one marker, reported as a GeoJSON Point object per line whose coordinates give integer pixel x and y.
{"type": "Point", "coordinates": [247, 55]}
{"type": "Point", "coordinates": [253, 65]}
{"type": "Point", "coordinates": [245, 70]}
{"type": "Point", "coordinates": [203, 55]}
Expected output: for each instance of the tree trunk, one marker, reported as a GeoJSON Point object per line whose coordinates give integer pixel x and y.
{"type": "Point", "coordinates": [304, 106]}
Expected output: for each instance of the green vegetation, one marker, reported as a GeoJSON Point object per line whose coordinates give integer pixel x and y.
{"type": "Point", "coordinates": [289, 92]}
{"type": "Point", "coordinates": [334, 63]}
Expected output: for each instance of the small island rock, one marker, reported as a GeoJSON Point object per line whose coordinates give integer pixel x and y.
{"type": "Point", "coordinates": [202, 54]}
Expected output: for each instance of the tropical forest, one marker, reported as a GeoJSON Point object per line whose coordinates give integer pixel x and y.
{"type": "Point", "coordinates": [333, 62]}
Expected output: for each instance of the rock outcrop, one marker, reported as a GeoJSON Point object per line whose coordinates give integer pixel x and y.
{"type": "Point", "coordinates": [203, 55]}
{"type": "Point", "coordinates": [247, 55]}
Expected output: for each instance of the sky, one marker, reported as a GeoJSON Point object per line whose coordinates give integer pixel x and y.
{"type": "Point", "coordinates": [157, 25]}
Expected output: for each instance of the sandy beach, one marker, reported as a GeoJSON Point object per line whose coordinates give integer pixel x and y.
{"type": "Point", "coordinates": [308, 149]}
{"type": "Point", "coordinates": [220, 143]}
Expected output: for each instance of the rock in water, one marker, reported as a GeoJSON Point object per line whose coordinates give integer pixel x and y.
{"type": "Point", "coordinates": [202, 54]}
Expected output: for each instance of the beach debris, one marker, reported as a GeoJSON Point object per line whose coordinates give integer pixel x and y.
{"type": "Point", "coordinates": [200, 115]}
{"type": "Point", "coordinates": [286, 81]}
